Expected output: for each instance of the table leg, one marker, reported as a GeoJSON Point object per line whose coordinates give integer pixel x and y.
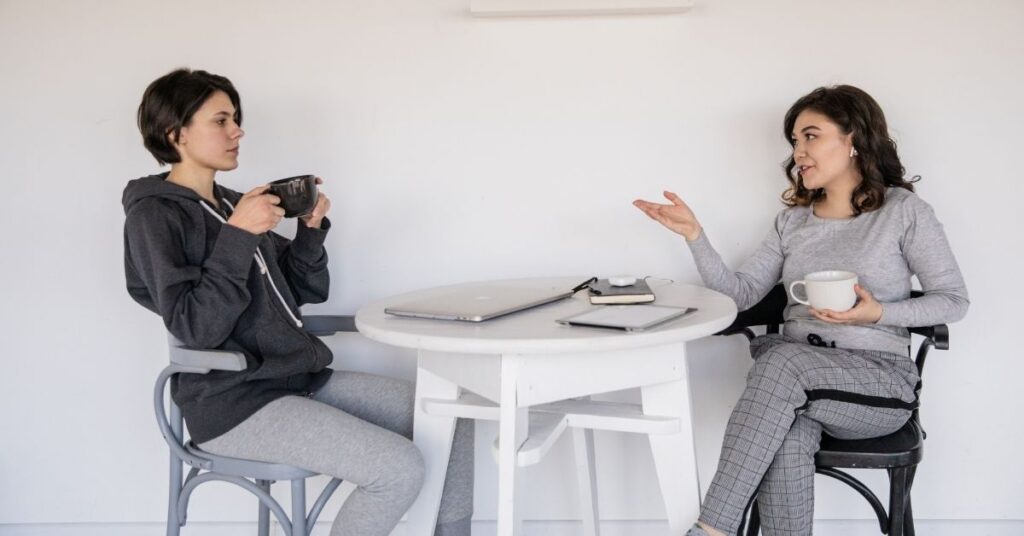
{"type": "Point", "coordinates": [433, 436]}
{"type": "Point", "coordinates": [586, 476]}
{"type": "Point", "coordinates": [513, 425]}
{"type": "Point", "coordinates": [675, 458]}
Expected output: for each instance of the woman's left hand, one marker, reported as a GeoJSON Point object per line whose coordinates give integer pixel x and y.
{"type": "Point", "coordinates": [866, 311]}
{"type": "Point", "coordinates": [323, 206]}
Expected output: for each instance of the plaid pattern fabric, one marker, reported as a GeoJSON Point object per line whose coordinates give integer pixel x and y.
{"type": "Point", "coordinates": [774, 433]}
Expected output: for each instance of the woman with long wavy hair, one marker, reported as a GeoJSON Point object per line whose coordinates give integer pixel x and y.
{"type": "Point", "coordinates": [848, 373]}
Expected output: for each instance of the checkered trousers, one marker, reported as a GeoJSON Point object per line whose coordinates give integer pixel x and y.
{"type": "Point", "coordinates": [775, 430]}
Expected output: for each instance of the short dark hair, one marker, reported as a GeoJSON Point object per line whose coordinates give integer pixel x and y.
{"type": "Point", "coordinates": [854, 111]}
{"type": "Point", "coordinates": [169, 104]}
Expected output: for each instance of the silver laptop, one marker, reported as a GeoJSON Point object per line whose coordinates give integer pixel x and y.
{"type": "Point", "coordinates": [478, 303]}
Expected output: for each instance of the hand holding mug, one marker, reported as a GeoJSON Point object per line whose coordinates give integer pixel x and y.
{"type": "Point", "coordinates": [836, 297]}
{"type": "Point", "coordinates": [676, 217]}
{"type": "Point", "coordinates": [257, 211]}
{"type": "Point", "coordinates": [323, 206]}
{"type": "Point", "coordinates": [867, 311]}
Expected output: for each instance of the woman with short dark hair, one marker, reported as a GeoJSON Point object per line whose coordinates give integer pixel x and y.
{"type": "Point", "coordinates": [206, 259]}
{"type": "Point", "coordinates": [845, 372]}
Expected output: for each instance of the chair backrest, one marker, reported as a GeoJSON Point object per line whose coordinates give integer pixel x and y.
{"type": "Point", "coordinates": [168, 417]}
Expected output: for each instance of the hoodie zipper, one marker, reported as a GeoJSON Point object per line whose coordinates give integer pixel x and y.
{"type": "Point", "coordinates": [260, 260]}
{"type": "Point", "coordinates": [265, 270]}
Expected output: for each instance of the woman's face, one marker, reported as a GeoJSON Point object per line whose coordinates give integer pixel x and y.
{"type": "Point", "coordinates": [211, 138]}
{"type": "Point", "coordinates": [822, 152]}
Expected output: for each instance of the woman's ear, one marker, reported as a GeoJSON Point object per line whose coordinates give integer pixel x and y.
{"type": "Point", "coordinates": [178, 139]}
{"type": "Point", "coordinates": [849, 142]}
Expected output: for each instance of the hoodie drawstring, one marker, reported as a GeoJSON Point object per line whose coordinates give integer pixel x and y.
{"type": "Point", "coordinates": [260, 260]}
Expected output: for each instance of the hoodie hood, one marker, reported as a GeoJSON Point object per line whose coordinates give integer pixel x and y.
{"type": "Point", "coordinates": [155, 186]}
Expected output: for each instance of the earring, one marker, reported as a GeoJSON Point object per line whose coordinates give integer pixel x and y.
{"type": "Point", "coordinates": [853, 152]}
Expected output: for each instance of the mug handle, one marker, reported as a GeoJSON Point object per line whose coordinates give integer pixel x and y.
{"type": "Point", "coordinates": [793, 294]}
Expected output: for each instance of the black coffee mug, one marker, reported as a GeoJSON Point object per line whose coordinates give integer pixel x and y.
{"type": "Point", "coordinates": [298, 195]}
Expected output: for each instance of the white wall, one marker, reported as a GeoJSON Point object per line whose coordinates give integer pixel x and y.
{"type": "Point", "coordinates": [462, 149]}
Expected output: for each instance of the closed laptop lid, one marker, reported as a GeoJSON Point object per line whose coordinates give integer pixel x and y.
{"type": "Point", "coordinates": [479, 302]}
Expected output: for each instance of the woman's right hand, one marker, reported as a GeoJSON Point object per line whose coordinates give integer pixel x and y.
{"type": "Point", "coordinates": [677, 217]}
{"type": "Point", "coordinates": [257, 211]}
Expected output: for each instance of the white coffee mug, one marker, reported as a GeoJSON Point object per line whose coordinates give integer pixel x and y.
{"type": "Point", "coordinates": [831, 289]}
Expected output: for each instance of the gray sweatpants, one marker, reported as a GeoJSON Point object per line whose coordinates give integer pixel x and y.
{"type": "Point", "coordinates": [774, 432]}
{"type": "Point", "coordinates": [357, 428]}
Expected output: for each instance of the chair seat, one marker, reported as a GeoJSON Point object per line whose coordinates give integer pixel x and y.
{"type": "Point", "coordinates": [248, 468]}
{"type": "Point", "coordinates": [901, 448]}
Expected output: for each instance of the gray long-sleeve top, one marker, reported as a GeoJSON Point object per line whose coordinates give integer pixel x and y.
{"type": "Point", "coordinates": [884, 247]}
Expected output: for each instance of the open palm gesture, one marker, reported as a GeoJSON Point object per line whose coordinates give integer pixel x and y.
{"type": "Point", "coordinates": [677, 217]}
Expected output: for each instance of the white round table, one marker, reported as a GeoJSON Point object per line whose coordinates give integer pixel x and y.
{"type": "Point", "coordinates": [528, 372]}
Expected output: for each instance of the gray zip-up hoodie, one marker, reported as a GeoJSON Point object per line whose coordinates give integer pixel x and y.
{"type": "Point", "coordinates": [219, 287]}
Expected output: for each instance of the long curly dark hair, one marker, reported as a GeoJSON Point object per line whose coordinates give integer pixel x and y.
{"type": "Point", "coordinates": [854, 111]}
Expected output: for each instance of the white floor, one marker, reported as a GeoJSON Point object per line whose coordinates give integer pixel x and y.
{"type": "Point", "coordinates": [531, 528]}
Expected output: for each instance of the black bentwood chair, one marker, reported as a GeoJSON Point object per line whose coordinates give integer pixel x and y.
{"type": "Point", "coordinates": [898, 453]}
{"type": "Point", "coordinates": [252, 476]}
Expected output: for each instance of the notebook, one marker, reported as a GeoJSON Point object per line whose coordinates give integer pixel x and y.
{"type": "Point", "coordinates": [479, 302]}
{"type": "Point", "coordinates": [627, 317]}
{"type": "Point", "coordinates": [603, 292]}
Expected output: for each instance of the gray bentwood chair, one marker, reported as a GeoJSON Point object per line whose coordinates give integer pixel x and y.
{"type": "Point", "coordinates": [255, 477]}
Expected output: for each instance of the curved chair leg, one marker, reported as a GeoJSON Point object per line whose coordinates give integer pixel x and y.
{"type": "Point", "coordinates": [859, 487]}
{"type": "Point", "coordinates": [186, 492]}
{"type": "Point", "coordinates": [264, 519]}
{"type": "Point", "coordinates": [176, 470]}
{"type": "Point", "coordinates": [897, 500]}
{"type": "Point", "coordinates": [192, 483]}
{"type": "Point", "coordinates": [750, 523]}
{"type": "Point", "coordinates": [299, 507]}
{"type": "Point", "coordinates": [908, 520]}
{"type": "Point", "coordinates": [174, 491]}
{"type": "Point", "coordinates": [754, 526]}
{"type": "Point", "coordinates": [318, 506]}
